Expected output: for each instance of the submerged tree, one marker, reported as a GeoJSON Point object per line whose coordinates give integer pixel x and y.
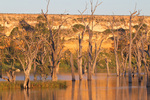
{"type": "Point", "coordinates": [131, 40]}
{"type": "Point", "coordinates": [91, 65]}
{"type": "Point", "coordinates": [54, 43]}
{"type": "Point", "coordinates": [116, 42]}
{"type": "Point", "coordinates": [28, 46]}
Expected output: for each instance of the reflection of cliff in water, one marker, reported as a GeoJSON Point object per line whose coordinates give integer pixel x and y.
{"type": "Point", "coordinates": [111, 88]}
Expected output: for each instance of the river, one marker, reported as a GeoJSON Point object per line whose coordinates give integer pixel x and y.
{"type": "Point", "coordinates": [100, 88]}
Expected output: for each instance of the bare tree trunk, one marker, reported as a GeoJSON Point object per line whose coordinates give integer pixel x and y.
{"type": "Point", "coordinates": [145, 64]}
{"type": "Point", "coordinates": [80, 59]}
{"type": "Point", "coordinates": [139, 64]}
{"type": "Point", "coordinates": [148, 79]}
{"type": "Point", "coordinates": [72, 67]}
{"type": "Point", "coordinates": [26, 84]}
{"type": "Point", "coordinates": [124, 61]}
{"type": "Point", "coordinates": [27, 76]}
{"type": "Point", "coordinates": [144, 59]}
{"type": "Point", "coordinates": [57, 68]}
{"type": "Point", "coordinates": [54, 74]}
{"type": "Point", "coordinates": [131, 41]}
{"type": "Point", "coordinates": [90, 56]}
{"type": "Point", "coordinates": [116, 54]}
{"type": "Point", "coordinates": [13, 76]}
{"type": "Point", "coordinates": [106, 60]}
{"type": "Point", "coordinates": [117, 63]}
{"type": "Point", "coordinates": [85, 70]}
{"type": "Point", "coordinates": [9, 77]}
{"type": "Point", "coordinates": [130, 47]}
{"type": "Point", "coordinates": [125, 65]}
{"type": "Point", "coordinates": [35, 76]}
{"type": "Point", "coordinates": [149, 50]}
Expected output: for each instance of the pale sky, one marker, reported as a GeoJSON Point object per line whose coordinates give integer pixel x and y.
{"type": "Point", "coordinates": [108, 7]}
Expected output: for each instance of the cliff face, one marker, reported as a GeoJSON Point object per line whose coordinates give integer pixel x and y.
{"type": "Point", "coordinates": [9, 21]}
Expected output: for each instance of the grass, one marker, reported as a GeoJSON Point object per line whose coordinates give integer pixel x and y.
{"type": "Point", "coordinates": [33, 85]}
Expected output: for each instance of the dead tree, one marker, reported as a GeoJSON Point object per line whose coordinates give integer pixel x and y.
{"type": "Point", "coordinates": [80, 57]}
{"type": "Point", "coordinates": [138, 59]}
{"type": "Point", "coordinates": [41, 62]}
{"type": "Point", "coordinates": [131, 39]}
{"type": "Point", "coordinates": [124, 56]}
{"type": "Point", "coordinates": [85, 65]}
{"type": "Point", "coordinates": [53, 40]}
{"type": "Point", "coordinates": [116, 40]}
{"type": "Point", "coordinates": [11, 77]}
{"type": "Point", "coordinates": [28, 45]}
{"type": "Point", "coordinates": [80, 37]}
{"type": "Point", "coordinates": [90, 56]}
{"type": "Point", "coordinates": [91, 65]}
{"type": "Point", "coordinates": [143, 42]}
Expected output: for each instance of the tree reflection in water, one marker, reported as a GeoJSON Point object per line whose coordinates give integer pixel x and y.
{"type": "Point", "coordinates": [90, 89]}
{"type": "Point", "coordinates": [102, 88]}
{"type": "Point", "coordinates": [73, 89]}
{"type": "Point", "coordinates": [148, 93]}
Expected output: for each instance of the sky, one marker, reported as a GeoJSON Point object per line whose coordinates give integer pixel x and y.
{"type": "Point", "coordinates": [108, 7]}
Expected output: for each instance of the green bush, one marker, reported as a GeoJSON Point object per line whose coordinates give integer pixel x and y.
{"type": "Point", "coordinates": [33, 85]}
{"type": "Point", "coordinates": [77, 27]}
{"type": "Point", "coordinates": [40, 18]}
{"type": "Point", "coordinates": [107, 31]}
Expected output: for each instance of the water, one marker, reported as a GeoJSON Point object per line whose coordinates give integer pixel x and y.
{"type": "Point", "coordinates": [100, 88]}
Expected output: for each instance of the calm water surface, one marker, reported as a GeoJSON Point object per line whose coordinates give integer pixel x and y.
{"type": "Point", "coordinates": [100, 88]}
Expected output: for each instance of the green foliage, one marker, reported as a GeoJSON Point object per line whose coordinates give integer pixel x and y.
{"type": "Point", "coordinates": [78, 27]}
{"type": "Point", "coordinates": [66, 32]}
{"type": "Point", "coordinates": [107, 31]}
{"type": "Point", "coordinates": [2, 40]}
{"type": "Point", "coordinates": [41, 18]}
{"type": "Point", "coordinates": [65, 62]}
{"type": "Point", "coordinates": [143, 27]}
{"type": "Point", "coordinates": [122, 20]}
{"type": "Point", "coordinates": [26, 26]}
{"type": "Point", "coordinates": [110, 56]}
{"type": "Point", "coordinates": [81, 19]}
{"type": "Point", "coordinates": [43, 70]}
{"type": "Point", "coordinates": [34, 85]}
{"type": "Point", "coordinates": [41, 28]}
{"type": "Point", "coordinates": [64, 67]}
{"type": "Point", "coordinates": [49, 84]}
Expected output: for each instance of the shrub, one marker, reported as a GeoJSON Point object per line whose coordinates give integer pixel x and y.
{"type": "Point", "coordinates": [77, 27]}
{"type": "Point", "coordinates": [40, 18]}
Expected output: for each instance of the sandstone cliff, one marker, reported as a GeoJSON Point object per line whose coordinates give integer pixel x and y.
{"type": "Point", "coordinates": [9, 21]}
